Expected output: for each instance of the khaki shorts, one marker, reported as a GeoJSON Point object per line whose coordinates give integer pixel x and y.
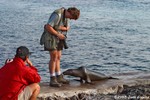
{"type": "Point", "coordinates": [25, 94]}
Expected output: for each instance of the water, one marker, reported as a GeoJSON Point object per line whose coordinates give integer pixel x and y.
{"type": "Point", "coordinates": [111, 36]}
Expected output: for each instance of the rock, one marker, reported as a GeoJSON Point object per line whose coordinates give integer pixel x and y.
{"type": "Point", "coordinates": [130, 86]}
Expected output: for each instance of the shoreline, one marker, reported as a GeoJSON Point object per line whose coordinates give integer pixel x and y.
{"type": "Point", "coordinates": [139, 92]}
{"type": "Point", "coordinates": [135, 86]}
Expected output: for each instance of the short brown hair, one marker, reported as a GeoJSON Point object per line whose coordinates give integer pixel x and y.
{"type": "Point", "coordinates": [22, 52]}
{"type": "Point", "coordinates": [74, 12]}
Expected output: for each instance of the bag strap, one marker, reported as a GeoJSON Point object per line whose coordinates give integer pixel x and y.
{"type": "Point", "coordinates": [60, 14]}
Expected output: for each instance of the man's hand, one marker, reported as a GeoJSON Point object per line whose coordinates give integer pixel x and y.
{"type": "Point", "coordinates": [8, 61]}
{"type": "Point", "coordinates": [28, 62]}
{"type": "Point", "coordinates": [61, 36]}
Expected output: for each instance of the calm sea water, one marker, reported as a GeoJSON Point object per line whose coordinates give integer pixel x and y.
{"type": "Point", "coordinates": [111, 36]}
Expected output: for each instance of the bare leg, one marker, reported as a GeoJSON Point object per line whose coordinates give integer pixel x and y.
{"type": "Point", "coordinates": [35, 90]}
{"type": "Point", "coordinates": [52, 68]}
{"type": "Point", "coordinates": [58, 61]}
{"type": "Point", "coordinates": [52, 62]}
{"type": "Point", "coordinates": [60, 78]}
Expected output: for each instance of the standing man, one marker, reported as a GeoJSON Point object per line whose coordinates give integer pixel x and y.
{"type": "Point", "coordinates": [17, 80]}
{"type": "Point", "coordinates": [53, 39]}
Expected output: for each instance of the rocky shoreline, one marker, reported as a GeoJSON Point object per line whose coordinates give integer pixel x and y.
{"type": "Point", "coordinates": [130, 86]}
{"type": "Point", "coordinates": [139, 92]}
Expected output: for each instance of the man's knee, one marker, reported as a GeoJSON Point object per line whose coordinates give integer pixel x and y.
{"type": "Point", "coordinates": [35, 87]}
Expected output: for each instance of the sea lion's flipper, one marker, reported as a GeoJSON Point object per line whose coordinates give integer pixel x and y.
{"type": "Point", "coordinates": [88, 80]}
{"type": "Point", "coordinates": [87, 77]}
{"type": "Point", "coordinates": [81, 80]}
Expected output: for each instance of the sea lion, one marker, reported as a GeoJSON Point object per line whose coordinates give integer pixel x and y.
{"type": "Point", "coordinates": [87, 75]}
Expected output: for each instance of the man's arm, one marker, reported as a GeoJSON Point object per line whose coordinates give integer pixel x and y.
{"type": "Point", "coordinates": [63, 28]}
{"type": "Point", "coordinates": [51, 30]}
{"type": "Point", "coordinates": [32, 75]}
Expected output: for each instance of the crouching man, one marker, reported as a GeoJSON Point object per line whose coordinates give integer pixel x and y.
{"type": "Point", "coordinates": [19, 78]}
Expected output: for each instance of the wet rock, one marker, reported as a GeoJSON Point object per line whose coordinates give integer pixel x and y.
{"type": "Point", "coordinates": [140, 92]}
{"type": "Point", "coordinates": [74, 98]}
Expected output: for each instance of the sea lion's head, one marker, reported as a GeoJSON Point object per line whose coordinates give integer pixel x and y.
{"type": "Point", "coordinates": [69, 72]}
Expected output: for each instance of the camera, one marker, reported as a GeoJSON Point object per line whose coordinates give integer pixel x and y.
{"type": "Point", "coordinates": [65, 43]}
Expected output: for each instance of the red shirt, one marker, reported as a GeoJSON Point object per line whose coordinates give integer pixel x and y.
{"type": "Point", "coordinates": [14, 77]}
